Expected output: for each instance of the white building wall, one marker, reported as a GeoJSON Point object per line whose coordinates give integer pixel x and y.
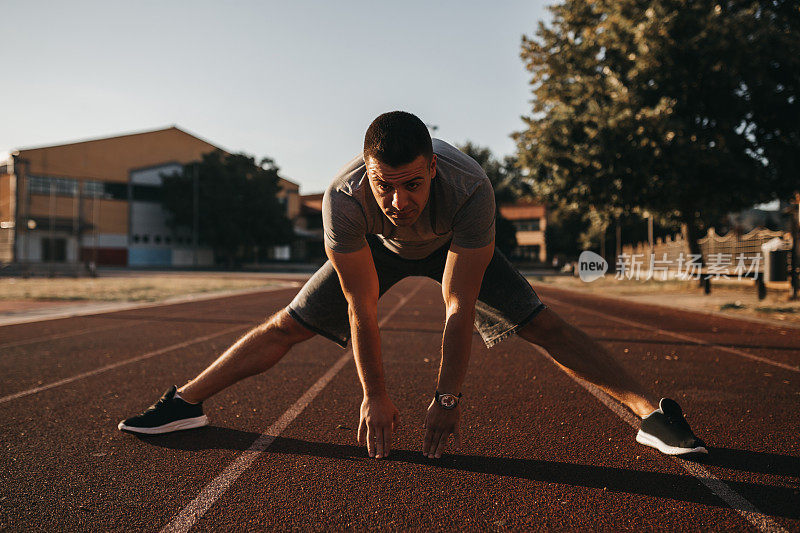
{"type": "Point", "coordinates": [30, 246]}
{"type": "Point", "coordinates": [104, 240]}
{"type": "Point", "coordinates": [152, 241]}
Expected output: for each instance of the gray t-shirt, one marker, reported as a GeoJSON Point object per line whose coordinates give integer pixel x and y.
{"type": "Point", "coordinates": [460, 207]}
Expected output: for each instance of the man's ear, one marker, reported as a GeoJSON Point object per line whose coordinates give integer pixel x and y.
{"type": "Point", "coordinates": [433, 166]}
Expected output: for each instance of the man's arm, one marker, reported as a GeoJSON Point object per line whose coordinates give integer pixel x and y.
{"type": "Point", "coordinates": [461, 284]}
{"type": "Point", "coordinates": [359, 280]}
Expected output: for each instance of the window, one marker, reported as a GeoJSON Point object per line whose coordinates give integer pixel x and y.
{"type": "Point", "coordinates": [37, 185]}
{"type": "Point", "coordinates": [282, 253]}
{"type": "Point", "coordinates": [527, 253]}
{"type": "Point", "coordinates": [136, 238]}
{"type": "Point", "coordinates": [58, 186]}
{"type": "Point", "coordinates": [532, 224]}
{"type": "Point", "coordinates": [107, 190]}
{"type": "Point", "coordinates": [146, 239]}
{"type": "Point", "coordinates": [93, 188]}
{"type": "Point", "coordinates": [168, 240]}
{"type": "Point", "coordinates": [157, 239]}
{"type": "Point", "coordinates": [116, 191]}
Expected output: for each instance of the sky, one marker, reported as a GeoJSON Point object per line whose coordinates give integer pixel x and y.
{"type": "Point", "coordinates": [298, 82]}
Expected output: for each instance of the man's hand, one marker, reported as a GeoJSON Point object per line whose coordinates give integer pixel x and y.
{"type": "Point", "coordinates": [379, 419]}
{"type": "Point", "coordinates": [440, 423]}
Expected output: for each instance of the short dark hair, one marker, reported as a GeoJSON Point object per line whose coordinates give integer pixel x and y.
{"type": "Point", "coordinates": [397, 138]}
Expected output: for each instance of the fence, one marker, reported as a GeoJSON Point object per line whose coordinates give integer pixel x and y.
{"type": "Point", "coordinates": [670, 253]}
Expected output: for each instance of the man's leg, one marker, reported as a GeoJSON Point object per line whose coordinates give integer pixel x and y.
{"type": "Point", "coordinates": [507, 300]}
{"type": "Point", "coordinates": [579, 355]}
{"type": "Point", "coordinates": [257, 351]}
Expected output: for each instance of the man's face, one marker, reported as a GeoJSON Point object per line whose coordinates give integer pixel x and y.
{"type": "Point", "coordinates": [401, 192]}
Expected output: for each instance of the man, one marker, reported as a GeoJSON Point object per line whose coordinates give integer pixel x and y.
{"type": "Point", "coordinates": [410, 206]}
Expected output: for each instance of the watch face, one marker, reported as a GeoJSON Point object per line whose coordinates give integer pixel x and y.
{"type": "Point", "coordinates": [448, 401]}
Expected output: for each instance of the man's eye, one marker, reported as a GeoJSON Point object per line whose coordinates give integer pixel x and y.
{"type": "Point", "coordinates": [412, 186]}
{"type": "Point", "coordinates": [384, 187]}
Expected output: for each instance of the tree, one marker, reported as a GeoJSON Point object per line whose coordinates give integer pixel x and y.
{"type": "Point", "coordinates": [238, 206]}
{"type": "Point", "coordinates": [509, 185]}
{"type": "Point", "coordinates": [687, 109]}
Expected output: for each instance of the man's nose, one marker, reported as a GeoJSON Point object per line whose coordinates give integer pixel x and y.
{"type": "Point", "coordinates": [399, 200]}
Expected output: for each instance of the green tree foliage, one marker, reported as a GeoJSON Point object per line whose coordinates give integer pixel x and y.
{"type": "Point", "coordinates": [509, 186]}
{"type": "Point", "coordinates": [687, 109]}
{"type": "Point", "coordinates": [238, 206]}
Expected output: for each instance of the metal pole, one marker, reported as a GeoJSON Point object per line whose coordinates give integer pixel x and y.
{"type": "Point", "coordinates": [195, 210]}
{"type": "Point", "coordinates": [95, 213]}
{"type": "Point", "coordinates": [51, 208]}
{"type": "Point", "coordinates": [75, 203]}
{"type": "Point", "coordinates": [17, 201]}
{"type": "Point", "coordinates": [28, 229]}
{"type": "Point", "coordinates": [81, 189]}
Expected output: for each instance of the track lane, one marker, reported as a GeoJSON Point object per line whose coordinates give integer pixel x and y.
{"type": "Point", "coordinates": [136, 332]}
{"type": "Point", "coordinates": [506, 478]}
{"type": "Point", "coordinates": [42, 329]}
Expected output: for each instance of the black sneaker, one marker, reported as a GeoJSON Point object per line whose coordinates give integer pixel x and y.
{"type": "Point", "coordinates": [666, 430]}
{"type": "Point", "coordinates": [167, 414]}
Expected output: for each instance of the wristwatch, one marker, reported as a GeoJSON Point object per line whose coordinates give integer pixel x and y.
{"type": "Point", "coordinates": [447, 401]}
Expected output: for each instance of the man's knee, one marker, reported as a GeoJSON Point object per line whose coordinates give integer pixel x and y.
{"type": "Point", "coordinates": [287, 329]}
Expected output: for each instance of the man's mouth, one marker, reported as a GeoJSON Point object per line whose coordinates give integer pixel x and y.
{"type": "Point", "coordinates": [402, 215]}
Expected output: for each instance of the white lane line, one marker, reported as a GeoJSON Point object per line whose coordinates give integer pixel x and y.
{"type": "Point", "coordinates": [189, 515]}
{"type": "Point", "coordinates": [87, 309]}
{"type": "Point", "coordinates": [680, 336]}
{"type": "Point", "coordinates": [123, 323]}
{"type": "Point", "coordinates": [118, 364]}
{"type": "Point", "coordinates": [737, 502]}
{"type": "Point", "coordinates": [66, 335]}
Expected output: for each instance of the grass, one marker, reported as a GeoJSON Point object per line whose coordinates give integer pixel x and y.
{"type": "Point", "coordinates": [122, 289]}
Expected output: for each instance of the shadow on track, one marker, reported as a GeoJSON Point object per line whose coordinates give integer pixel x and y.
{"type": "Point", "coordinates": [770, 499]}
{"type": "Point", "coordinates": [757, 462]}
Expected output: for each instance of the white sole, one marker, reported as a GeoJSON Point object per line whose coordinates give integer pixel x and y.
{"type": "Point", "coordinates": [185, 423]}
{"type": "Point", "coordinates": [653, 442]}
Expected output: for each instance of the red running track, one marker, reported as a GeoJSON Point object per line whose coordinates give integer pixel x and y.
{"type": "Point", "coordinates": [540, 450]}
